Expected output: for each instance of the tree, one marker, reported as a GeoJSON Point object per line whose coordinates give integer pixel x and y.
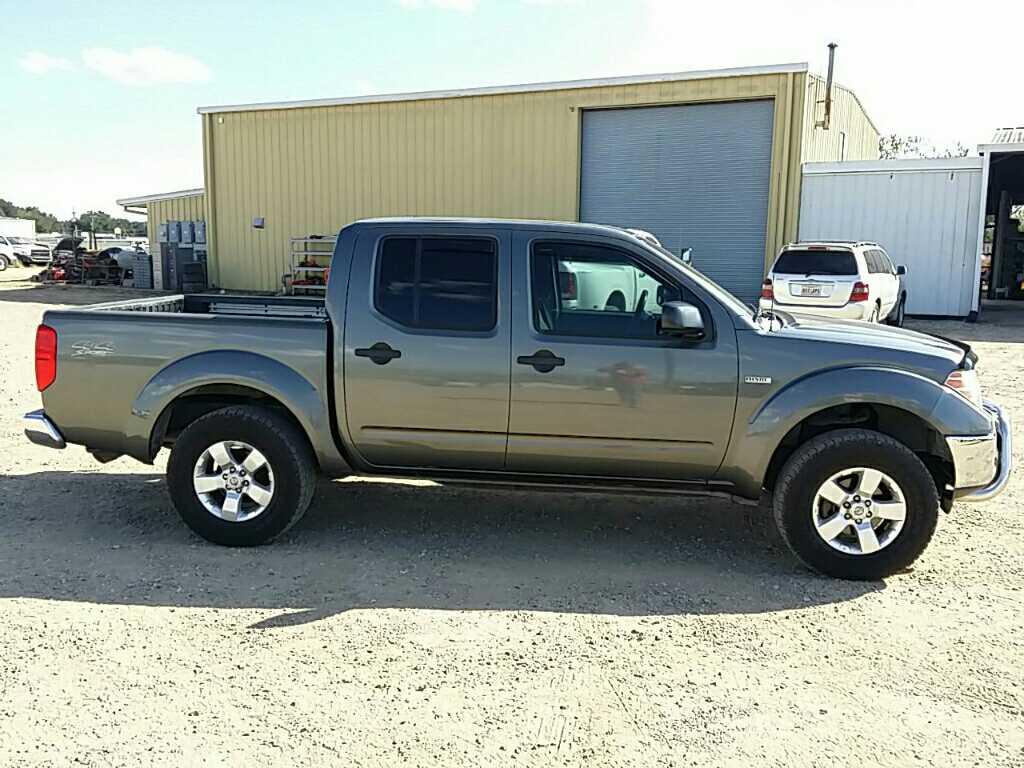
{"type": "Point", "coordinates": [895, 146]}
{"type": "Point", "coordinates": [45, 222]}
{"type": "Point", "coordinates": [101, 221]}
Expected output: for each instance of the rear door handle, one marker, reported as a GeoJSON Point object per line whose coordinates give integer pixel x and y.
{"type": "Point", "coordinates": [543, 360]}
{"type": "Point", "coordinates": [380, 353]}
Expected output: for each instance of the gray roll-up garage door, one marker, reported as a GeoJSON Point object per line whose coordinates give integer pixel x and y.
{"type": "Point", "coordinates": [696, 176]}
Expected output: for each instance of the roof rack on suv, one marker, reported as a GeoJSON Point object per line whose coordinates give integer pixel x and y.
{"type": "Point", "coordinates": [799, 243]}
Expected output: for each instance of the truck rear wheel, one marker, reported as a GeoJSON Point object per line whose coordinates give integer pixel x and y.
{"type": "Point", "coordinates": [856, 504]}
{"type": "Point", "coordinates": [241, 476]}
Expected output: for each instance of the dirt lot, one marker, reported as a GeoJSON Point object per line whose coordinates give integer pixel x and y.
{"type": "Point", "coordinates": [421, 625]}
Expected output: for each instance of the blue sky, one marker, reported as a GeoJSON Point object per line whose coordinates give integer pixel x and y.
{"type": "Point", "coordinates": [101, 97]}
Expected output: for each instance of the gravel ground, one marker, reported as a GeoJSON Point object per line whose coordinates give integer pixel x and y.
{"type": "Point", "coordinates": [412, 624]}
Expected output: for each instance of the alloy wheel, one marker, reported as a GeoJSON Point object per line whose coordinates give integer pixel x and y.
{"type": "Point", "coordinates": [859, 511]}
{"type": "Point", "coordinates": [234, 481]}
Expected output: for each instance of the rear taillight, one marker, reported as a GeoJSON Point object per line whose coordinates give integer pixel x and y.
{"type": "Point", "coordinates": [860, 292]}
{"type": "Point", "coordinates": [567, 285]}
{"type": "Point", "coordinates": [46, 356]}
{"type": "Point", "coordinates": [767, 291]}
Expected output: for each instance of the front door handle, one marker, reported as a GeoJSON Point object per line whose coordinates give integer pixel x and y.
{"type": "Point", "coordinates": [380, 353]}
{"type": "Point", "coordinates": [543, 360]}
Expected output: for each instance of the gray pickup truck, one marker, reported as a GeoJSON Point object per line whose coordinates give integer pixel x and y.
{"type": "Point", "coordinates": [463, 350]}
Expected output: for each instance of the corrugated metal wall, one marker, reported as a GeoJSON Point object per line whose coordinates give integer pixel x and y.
{"type": "Point", "coordinates": [695, 175]}
{"type": "Point", "coordinates": [848, 117]}
{"type": "Point", "coordinates": [185, 208]}
{"type": "Point", "coordinates": [923, 212]}
{"type": "Point", "coordinates": [314, 169]}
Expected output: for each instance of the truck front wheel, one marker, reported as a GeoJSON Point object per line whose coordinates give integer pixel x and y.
{"type": "Point", "coordinates": [856, 504]}
{"type": "Point", "coordinates": [242, 475]}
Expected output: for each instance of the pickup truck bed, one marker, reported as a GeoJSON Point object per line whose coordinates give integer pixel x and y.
{"type": "Point", "coordinates": [115, 354]}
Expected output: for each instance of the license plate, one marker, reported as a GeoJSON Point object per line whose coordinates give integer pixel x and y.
{"type": "Point", "coordinates": [810, 290]}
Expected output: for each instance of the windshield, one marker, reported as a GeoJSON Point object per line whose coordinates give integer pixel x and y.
{"type": "Point", "coordinates": [808, 262]}
{"type": "Point", "coordinates": [20, 240]}
{"type": "Point", "coordinates": [709, 285]}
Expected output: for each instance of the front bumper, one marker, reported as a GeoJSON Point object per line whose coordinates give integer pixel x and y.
{"type": "Point", "coordinates": [982, 463]}
{"type": "Point", "coordinates": [41, 431]}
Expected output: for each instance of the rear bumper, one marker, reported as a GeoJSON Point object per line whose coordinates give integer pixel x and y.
{"type": "Point", "coordinates": [41, 431]}
{"type": "Point", "coordinates": [850, 311]}
{"type": "Point", "coordinates": [982, 463]}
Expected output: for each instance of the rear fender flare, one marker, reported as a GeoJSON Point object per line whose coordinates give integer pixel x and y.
{"type": "Point", "coordinates": [254, 371]}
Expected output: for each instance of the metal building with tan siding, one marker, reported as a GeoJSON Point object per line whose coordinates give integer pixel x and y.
{"type": "Point", "coordinates": [184, 205]}
{"type": "Point", "coordinates": [708, 160]}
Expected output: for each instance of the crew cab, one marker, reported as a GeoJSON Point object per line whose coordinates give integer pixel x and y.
{"type": "Point", "coordinates": [453, 349]}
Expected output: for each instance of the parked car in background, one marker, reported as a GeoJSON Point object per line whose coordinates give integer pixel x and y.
{"type": "Point", "coordinates": [125, 257]}
{"type": "Point", "coordinates": [7, 255]}
{"type": "Point", "coordinates": [453, 349]}
{"type": "Point", "coordinates": [29, 251]}
{"type": "Point", "coordinates": [841, 280]}
{"type": "Point", "coordinates": [40, 253]}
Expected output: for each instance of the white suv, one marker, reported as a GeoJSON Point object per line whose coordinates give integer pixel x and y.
{"type": "Point", "coordinates": [845, 280]}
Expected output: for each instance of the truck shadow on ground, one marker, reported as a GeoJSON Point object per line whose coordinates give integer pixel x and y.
{"type": "Point", "coordinates": [115, 539]}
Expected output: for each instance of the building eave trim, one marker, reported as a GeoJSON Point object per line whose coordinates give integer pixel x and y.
{"type": "Point", "coordinates": [937, 164]}
{"type": "Point", "coordinates": [155, 198]}
{"type": "Point", "coordinates": [562, 85]}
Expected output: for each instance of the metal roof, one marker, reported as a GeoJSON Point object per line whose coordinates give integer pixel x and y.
{"type": "Point", "coordinates": [561, 85]}
{"type": "Point", "coordinates": [1008, 136]}
{"type": "Point", "coordinates": [144, 199]}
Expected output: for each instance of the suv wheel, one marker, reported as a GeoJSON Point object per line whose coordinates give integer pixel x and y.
{"type": "Point", "coordinates": [3, 263]}
{"type": "Point", "coordinates": [241, 476]}
{"type": "Point", "coordinates": [899, 314]}
{"type": "Point", "coordinates": [856, 504]}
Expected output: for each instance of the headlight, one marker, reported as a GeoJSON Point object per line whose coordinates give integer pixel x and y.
{"type": "Point", "coordinates": [966, 384]}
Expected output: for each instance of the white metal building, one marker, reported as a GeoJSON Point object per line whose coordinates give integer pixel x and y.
{"type": "Point", "coordinates": [923, 212]}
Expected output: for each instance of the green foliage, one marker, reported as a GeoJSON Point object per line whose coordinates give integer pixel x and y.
{"type": "Point", "coordinates": [45, 222]}
{"type": "Point", "coordinates": [98, 221]}
{"type": "Point", "coordinates": [90, 221]}
{"type": "Point", "coordinates": [895, 147]}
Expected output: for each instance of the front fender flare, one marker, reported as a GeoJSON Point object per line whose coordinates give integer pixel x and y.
{"type": "Point", "coordinates": [304, 401]}
{"type": "Point", "coordinates": [757, 436]}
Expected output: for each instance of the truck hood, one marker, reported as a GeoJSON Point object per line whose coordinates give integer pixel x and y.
{"type": "Point", "coordinates": [880, 343]}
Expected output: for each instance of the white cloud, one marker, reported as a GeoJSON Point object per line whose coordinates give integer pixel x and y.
{"type": "Point", "coordinates": [465, 6]}
{"type": "Point", "coordinates": [39, 63]}
{"type": "Point", "coordinates": [146, 66]}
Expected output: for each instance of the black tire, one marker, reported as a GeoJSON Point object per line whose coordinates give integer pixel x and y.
{"type": "Point", "coordinates": [898, 315]}
{"type": "Point", "coordinates": [616, 301]}
{"type": "Point", "coordinates": [3, 263]}
{"type": "Point", "coordinates": [283, 445]}
{"type": "Point", "coordinates": [823, 456]}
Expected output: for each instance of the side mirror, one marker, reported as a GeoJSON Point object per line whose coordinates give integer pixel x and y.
{"type": "Point", "coordinates": [678, 318]}
{"type": "Point", "coordinates": [901, 270]}
{"type": "Point", "coordinates": [686, 254]}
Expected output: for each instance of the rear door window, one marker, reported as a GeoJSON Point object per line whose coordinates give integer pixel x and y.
{"type": "Point", "coordinates": [886, 262]}
{"type": "Point", "coordinates": [814, 262]}
{"type": "Point", "coordinates": [438, 283]}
